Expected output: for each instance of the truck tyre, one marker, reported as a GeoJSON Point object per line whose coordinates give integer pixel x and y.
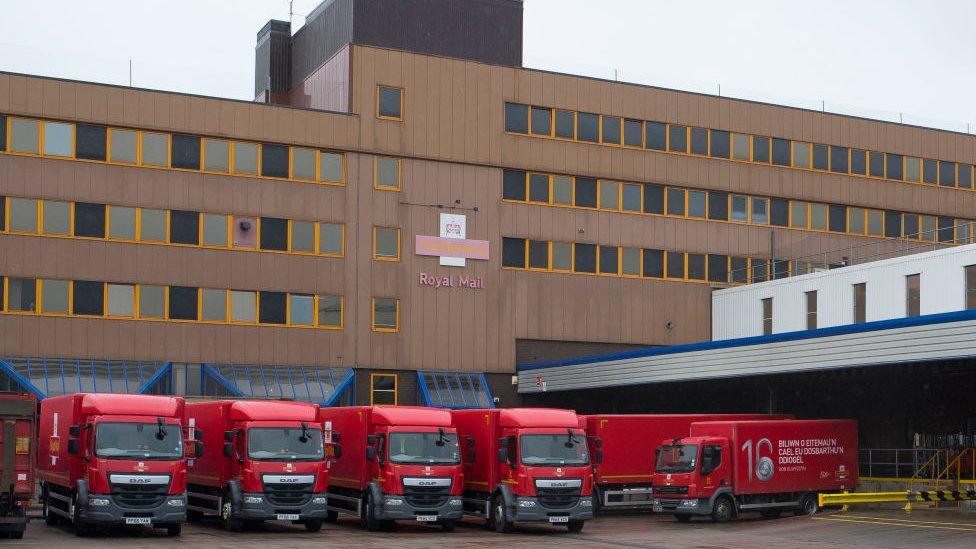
{"type": "Point", "coordinates": [313, 526]}
{"type": "Point", "coordinates": [174, 530]}
{"type": "Point", "coordinates": [808, 505]}
{"type": "Point", "coordinates": [81, 528]}
{"type": "Point", "coordinates": [231, 524]}
{"type": "Point", "coordinates": [723, 509]}
{"type": "Point", "coordinates": [500, 518]}
{"type": "Point", "coordinates": [370, 520]}
{"type": "Point", "coordinates": [575, 526]}
{"type": "Point", "coordinates": [772, 512]}
{"type": "Point", "coordinates": [331, 516]}
{"type": "Point", "coordinates": [683, 517]}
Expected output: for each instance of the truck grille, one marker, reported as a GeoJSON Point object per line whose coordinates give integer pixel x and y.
{"type": "Point", "coordinates": [558, 498]}
{"type": "Point", "coordinates": [288, 494]}
{"type": "Point", "coordinates": [670, 489]}
{"type": "Point", "coordinates": [139, 497]}
{"type": "Point", "coordinates": [426, 496]}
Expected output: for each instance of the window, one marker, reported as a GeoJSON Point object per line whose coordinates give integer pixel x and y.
{"type": "Point", "coordinates": [718, 268]}
{"type": "Point", "coordinates": [740, 208]}
{"type": "Point", "coordinates": [387, 173]}
{"type": "Point", "coordinates": [818, 217]}
{"type": "Point", "coordinates": [946, 230]}
{"type": "Point", "coordinates": [655, 136]}
{"type": "Point", "coordinates": [930, 171]}
{"type": "Point", "coordinates": [587, 127]}
{"type": "Point", "coordinates": [330, 311]}
{"type": "Point", "coordinates": [610, 126]}
{"type": "Point", "coordinates": [820, 157]}
{"type": "Point", "coordinates": [25, 135]}
{"type": "Point", "coordinates": [697, 201]}
{"type": "Point", "coordinates": [676, 265]}
{"type": "Point", "coordinates": [608, 260]}
{"type": "Point", "coordinates": [389, 103]}
{"type": "Point", "coordinates": [88, 298]}
{"type": "Point", "coordinates": [516, 118]}
{"type": "Point", "coordinates": [858, 161]}
{"type": "Point", "coordinates": [565, 124]}
{"type": "Point", "coordinates": [562, 256]}
{"type": "Point", "coordinates": [184, 227]}
{"type": "Point", "coordinates": [152, 301]}
{"type": "Point", "coordinates": [584, 258]}
{"type": "Point", "coordinates": [718, 205]}
{"type": "Point", "coordinates": [303, 236]}
{"type": "Point", "coordinates": [699, 141]}
{"type": "Point", "coordinates": [538, 254]}
{"type": "Point", "coordinates": [54, 296]}
{"type": "Point", "coordinates": [330, 167]}
{"type": "Point", "coordinates": [760, 149]}
{"type": "Point", "coordinates": [3, 219]}
{"type": "Point", "coordinates": [767, 316]}
{"type": "Point", "coordinates": [740, 147]}
{"type": "Point", "coordinates": [630, 197]}
{"type": "Point", "coordinates": [386, 314]}
{"type": "Point", "coordinates": [541, 121]}
{"type": "Point", "coordinates": [760, 270]}
{"type": "Point", "coordinates": [386, 243]}
{"type": "Point", "coordinates": [182, 303]}
{"type": "Point", "coordinates": [676, 201]}
{"type": "Point", "coordinates": [213, 305]}
{"type": "Point", "coordinates": [609, 197]}
{"type": "Point", "coordinates": [23, 215]}
{"type": "Point", "coordinates": [22, 294]}
{"type": "Point", "coordinates": [875, 223]}
{"type": "Point", "coordinates": [781, 152]}
{"type": "Point", "coordinates": [122, 147]}
{"type": "Point", "coordinates": [633, 133]}
{"type": "Point", "coordinates": [912, 295]}
{"type": "Point", "coordinates": [653, 263]}
{"type": "Point", "coordinates": [3, 146]}
{"type": "Point", "coordinates": [383, 389]}
{"type": "Point", "coordinates": [719, 143]}
{"type": "Point", "coordinates": [779, 212]}
{"type": "Point", "coordinates": [893, 166]}
{"type": "Point", "coordinates": [927, 229]}
{"type": "Point", "coordinates": [121, 223]}
{"type": "Point", "coordinates": [58, 138]}
{"type": "Point", "coordinates": [303, 164]}
{"type": "Point", "coordinates": [155, 149]}
{"type": "Point", "coordinates": [677, 138]}
{"type": "Point", "coordinates": [121, 300]}
{"type": "Point", "coordinates": [913, 168]}
{"type": "Point", "coordinates": [186, 152]}
{"type": "Point", "coordinates": [246, 158]}
{"type": "Point", "coordinates": [562, 190]}
{"type": "Point", "coordinates": [838, 159]}
{"type": "Point", "coordinates": [801, 154]}
{"type": "Point", "coordinates": [892, 223]}
{"type": "Point", "coordinates": [539, 188]}
{"type": "Point", "coordinates": [152, 225]}
{"type": "Point", "coordinates": [855, 220]}
{"type": "Point", "coordinates": [760, 210]}
{"type": "Point", "coordinates": [970, 287]}
{"type": "Point", "coordinates": [89, 220]}
{"type": "Point", "coordinates": [271, 308]}
{"type": "Point", "coordinates": [876, 163]}
{"type": "Point", "coordinates": [90, 142]}
{"type": "Point", "coordinates": [798, 215]}
{"type": "Point", "coordinates": [911, 225]}
{"type": "Point", "coordinates": [696, 266]}
{"type": "Point", "coordinates": [274, 234]}
{"type": "Point", "coordinates": [653, 199]}
{"type": "Point", "coordinates": [57, 217]}
{"type": "Point", "coordinates": [215, 230]}
{"type": "Point", "coordinates": [965, 176]}
{"type": "Point", "coordinates": [513, 252]}
{"type": "Point", "coordinates": [216, 155]}
{"type": "Point", "coordinates": [630, 261]}
{"type": "Point", "coordinates": [811, 310]}
{"type": "Point", "coordinates": [585, 193]}
{"type": "Point", "coordinates": [301, 310]}
{"type": "Point", "coordinates": [331, 238]}
{"type": "Point", "coordinates": [274, 160]}
{"type": "Point", "coordinates": [837, 218]}
{"type": "Point", "coordinates": [513, 185]}
{"type": "Point", "coordinates": [739, 270]}
{"type": "Point", "coordinates": [860, 302]}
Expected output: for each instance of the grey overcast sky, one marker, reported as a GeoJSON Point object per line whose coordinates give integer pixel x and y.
{"type": "Point", "coordinates": [873, 58]}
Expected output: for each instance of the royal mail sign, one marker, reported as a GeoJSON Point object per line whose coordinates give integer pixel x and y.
{"type": "Point", "coordinates": [452, 246]}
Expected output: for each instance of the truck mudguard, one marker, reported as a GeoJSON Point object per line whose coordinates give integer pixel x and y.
{"type": "Point", "coordinates": [236, 494]}
{"type": "Point", "coordinates": [507, 496]}
{"type": "Point", "coordinates": [374, 490]}
{"type": "Point", "coordinates": [81, 491]}
{"type": "Point", "coordinates": [721, 492]}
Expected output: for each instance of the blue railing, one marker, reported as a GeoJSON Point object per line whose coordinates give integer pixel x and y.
{"type": "Point", "coordinates": [455, 390]}
{"type": "Point", "coordinates": [325, 386]}
{"type": "Point", "coordinates": [44, 377]}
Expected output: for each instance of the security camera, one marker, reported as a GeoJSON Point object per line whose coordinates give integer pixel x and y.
{"type": "Point", "coordinates": [246, 225]}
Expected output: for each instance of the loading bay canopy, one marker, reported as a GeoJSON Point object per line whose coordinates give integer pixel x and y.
{"type": "Point", "coordinates": [905, 340]}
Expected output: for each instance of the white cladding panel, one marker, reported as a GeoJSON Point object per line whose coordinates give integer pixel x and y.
{"type": "Point", "coordinates": [737, 312]}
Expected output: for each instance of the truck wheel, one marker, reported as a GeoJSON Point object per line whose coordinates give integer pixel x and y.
{"type": "Point", "coordinates": [313, 526]}
{"type": "Point", "coordinates": [503, 523]}
{"type": "Point", "coordinates": [230, 523]}
{"type": "Point", "coordinates": [723, 510]}
{"type": "Point", "coordinates": [683, 517]}
{"type": "Point", "coordinates": [771, 513]}
{"type": "Point", "coordinates": [81, 528]}
{"type": "Point", "coordinates": [808, 505]}
{"type": "Point", "coordinates": [575, 526]}
{"type": "Point", "coordinates": [173, 530]}
{"type": "Point", "coordinates": [332, 516]}
{"type": "Point", "coordinates": [370, 521]}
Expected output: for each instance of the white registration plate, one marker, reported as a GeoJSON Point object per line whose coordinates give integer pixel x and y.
{"type": "Point", "coordinates": [657, 509]}
{"type": "Point", "coordinates": [138, 520]}
{"type": "Point", "coordinates": [426, 518]}
{"type": "Point", "coordinates": [286, 517]}
{"type": "Point", "coordinates": [558, 519]}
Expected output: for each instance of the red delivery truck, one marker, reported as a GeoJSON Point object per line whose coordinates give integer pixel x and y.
{"type": "Point", "coordinates": [397, 463]}
{"type": "Point", "coordinates": [18, 453]}
{"type": "Point", "coordinates": [526, 464]}
{"type": "Point", "coordinates": [628, 442]}
{"type": "Point", "coordinates": [726, 467]}
{"type": "Point", "coordinates": [271, 465]}
{"type": "Point", "coordinates": [109, 459]}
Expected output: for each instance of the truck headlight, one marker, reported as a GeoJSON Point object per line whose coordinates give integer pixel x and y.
{"type": "Point", "coordinates": [253, 499]}
{"type": "Point", "coordinates": [320, 500]}
{"type": "Point", "coordinates": [98, 502]}
{"type": "Point", "coordinates": [455, 502]}
{"type": "Point", "coordinates": [175, 502]}
{"type": "Point", "coordinates": [526, 503]}
{"type": "Point", "coordinates": [394, 501]}
{"type": "Point", "coordinates": [689, 503]}
{"type": "Point", "coordinates": [586, 502]}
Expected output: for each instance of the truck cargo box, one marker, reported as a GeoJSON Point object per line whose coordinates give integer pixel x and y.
{"type": "Point", "coordinates": [18, 454]}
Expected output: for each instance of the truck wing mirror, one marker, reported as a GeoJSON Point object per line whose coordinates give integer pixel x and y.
{"type": "Point", "coordinates": [503, 442]}
{"type": "Point", "coordinates": [336, 451]}
{"type": "Point", "coordinates": [74, 430]}
{"type": "Point", "coordinates": [597, 442]}
{"type": "Point", "coordinates": [370, 453]}
{"type": "Point", "coordinates": [598, 456]}
{"type": "Point", "coordinates": [502, 455]}
{"type": "Point", "coordinates": [73, 446]}
{"type": "Point", "coordinates": [228, 449]}
{"type": "Point", "coordinates": [198, 449]}
{"type": "Point", "coordinates": [370, 440]}
{"type": "Point", "coordinates": [197, 434]}
{"type": "Point", "coordinates": [471, 455]}
{"type": "Point", "coordinates": [470, 440]}
{"type": "Point", "coordinates": [336, 438]}
{"type": "Point", "coordinates": [229, 436]}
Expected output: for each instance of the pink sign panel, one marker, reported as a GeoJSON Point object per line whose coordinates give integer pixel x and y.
{"type": "Point", "coordinates": [451, 247]}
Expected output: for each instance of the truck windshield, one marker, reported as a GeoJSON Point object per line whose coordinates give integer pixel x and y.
{"type": "Point", "coordinates": [424, 448]}
{"type": "Point", "coordinates": [138, 441]}
{"type": "Point", "coordinates": [285, 443]}
{"type": "Point", "coordinates": [679, 458]}
{"type": "Point", "coordinates": [553, 450]}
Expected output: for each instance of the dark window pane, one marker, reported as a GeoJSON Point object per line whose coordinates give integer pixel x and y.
{"type": "Point", "coordinates": [781, 152]}
{"type": "Point", "coordinates": [538, 254]}
{"type": "Point", "coordinates": [718, 270]}
{"type": "Point", "coordinates": [541, 121]}
{"type": "Point", "coordinates": [389, 102]}
{"type": "Point", "coordinates": [838, 159]}
{"type": "Point", "coordinates": [3, 218]}
{"type": "Point", "coordinates": [608, 259]}
{"type": "Point", "coordinates": [820, 157]}
{"type": "Point", "coordinates": [184, 227]}
{"type": "Point", "coordinates": [930, 171]}
{"type": "Point", "coordinates": [676, 201]}
{"type": "Point", "coordinates": [274, 160]}
{"type": "Point", "coordinates": [565, 123]}
{"type": "Point", "coordinates": [516, 118]}
{"type": "Point", "coordinates": [859, 162]}
{"type": "Point", "coordinates": [781, 268]}
{"type": "Point", "coordinates": [88, 298]}
{"type": "Point", "coordinates": [653, 199]}
{"type": "Point", "coordinates": [779, 212]}
{"type": "Point", "coordinates": [965, 176]}
{"type": "Point", "coordinates": [90, 220]}
{"type": "Point", "coordinates": [911, 228]}
{"type": "Point", "coordinates": [585, 192]}
{"type": "Point", "coordinates": [538, 187]}
{"type": "Point", "coordinates": [274, 234]}
{"type": "Point", "coordinates": [611, 129]}
{"type": "Point", "coordinates": [719, 144]}
{"type": "Point", "coordinates": [655, 136]}
{"type": "Point", "coordinates": [893, 164]}
{"type": "Point", "coordinates": [696, 266]}
{"type": "Point", "coordinates": [892, 224]}
{"type": "Point", "coordinates": [699, 141]}
{"type": "Point", "coordinates": [946, 229]}
{"type": "Point", "coordinates": [584, 258]}
{"type": "Point", "coordinates": [182, 303]}
{"type": "Point", "coordinates": [271, 307]}
{"type": "Point", "coordinates": [877, 164]}
{"type": "Point", "coordinates": [837, 218]}
{"type": "Point", "coordinates": [677, 138]}
{"type": "Point", "coordinates": [587, 127]}
{"type": "Point", "coordinates": [654, 263]}
{"type": "Point", "coordinates": [947, 174]}
{"type": "Point", "coordinates": [513, 252]}
{"type": "Point", "coordinates": [718, 205]}
{"type": "Point", "coordinates": [676, 265]}
{"type": "Point", "coordinates": [739, 271]}
{"type": "Point", "coordinates": [3, 147]}
{"type": "Point", "coordinates": [760, 270]}
{"type": "Point", "coordinates": [186, 152]}
{"type": "Point", "coordinates": [513, 185]}
{"type": "Point", "coordinates": [760, 149]}
{"type": "Point", "coordinates": [632, 133]}
{"type": "Point", "coordinates": [90, 142]}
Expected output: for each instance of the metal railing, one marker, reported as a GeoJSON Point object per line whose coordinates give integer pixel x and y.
{"type": "Point", "coordinates": [901, 463]}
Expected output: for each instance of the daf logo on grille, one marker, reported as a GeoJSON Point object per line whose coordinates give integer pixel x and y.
{"type": "Point", "coordinates": [286, 480]}
{"type": "Point", "coordinates": [427, 483]}
{"type": "Point", "coordinates": [140, 480]}
{"type": "Point", "coordinates": [555, 484]}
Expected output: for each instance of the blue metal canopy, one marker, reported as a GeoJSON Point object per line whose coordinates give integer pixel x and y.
{"type": "Point", "coordinates": [456, 390]}
{"type": "Point", "coordinates": [322, 385]}
{"type": "Point", "coordinates": [44, 377]}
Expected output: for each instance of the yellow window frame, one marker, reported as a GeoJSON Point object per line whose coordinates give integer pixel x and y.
{"type": "Point", "coordinates": [376, 173]}
{"type": "Point", "coordinates": [377, 257]}
{"type": "Point", "coordinates": [317, 322]}
{"type": "Point", "coordinates": [403, 93]}
{"type": "Point", "coordinates": [373, 390]}
{"type": "Point", "coordinates": [385, 329]}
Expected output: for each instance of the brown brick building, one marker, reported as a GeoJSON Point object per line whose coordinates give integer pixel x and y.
{"type": "Point", "coordinates": [189, 236]}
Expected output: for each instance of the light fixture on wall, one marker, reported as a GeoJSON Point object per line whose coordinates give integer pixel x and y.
{"type": "Point", "coordinates": [668, 325]}
{"type": "Point", "coordinates": [245, 225]}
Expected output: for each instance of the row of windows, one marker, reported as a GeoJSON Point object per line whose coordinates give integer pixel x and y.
{"type": "Point", "coordinates": [81, 219]}
{"type": "Point", "coordinates": [583, 192]}
{"type": "Point", "coordinates": [676, 138]}
{"type": "Point", "coordinates": [579, 257]}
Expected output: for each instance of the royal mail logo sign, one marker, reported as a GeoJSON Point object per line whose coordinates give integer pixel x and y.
{"type": "Point", "coordinates": [452, 246]}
